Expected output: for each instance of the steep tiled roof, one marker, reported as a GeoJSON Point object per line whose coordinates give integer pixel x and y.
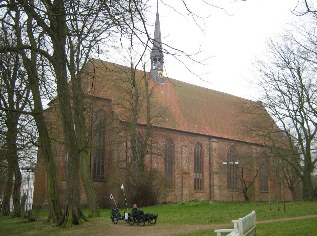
{"type": "Point", "coordinates": [186, 107]}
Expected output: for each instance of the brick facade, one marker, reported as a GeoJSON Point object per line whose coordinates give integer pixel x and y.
{"type": "Point", "coordinates": [214, 171]}
{"type": "Point", "coordinates": [205, 126]}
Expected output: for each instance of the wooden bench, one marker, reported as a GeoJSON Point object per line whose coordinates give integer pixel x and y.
{"type": "Point", "coordinates": [242, 227]}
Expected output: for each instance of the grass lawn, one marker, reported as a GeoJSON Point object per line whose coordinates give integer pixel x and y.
{"type": "Point", "coordinates": [289, 228]}
{"type": "Point", "coordinates": [189, 213]}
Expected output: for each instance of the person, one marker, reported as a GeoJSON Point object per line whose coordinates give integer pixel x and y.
{"type": "Point", "coordinates": [135, 211]}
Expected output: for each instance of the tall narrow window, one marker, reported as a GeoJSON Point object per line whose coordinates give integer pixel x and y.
{"type": "Point", "coordinates": [263, 175]}
{"type": "Point", "coordinates": [98, 154]}
{"type": "Point", "coordinates": [232, 168]}
{"type": "Point", "coordinates": [198, 167]}
{"type": "Point", "coordinates": [169, 163]}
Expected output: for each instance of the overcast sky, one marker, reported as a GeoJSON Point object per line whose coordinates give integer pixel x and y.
{"type": "Point", "coordinates": [231, 38]}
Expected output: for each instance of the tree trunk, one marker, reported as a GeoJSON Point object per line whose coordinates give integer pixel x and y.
{"type": "Point", "coordinates": [73, 214]}
{"type": "Point", "coordinates": [308, 191]}
{"type": "Point", "coordinates": [55, 212]}
{"type": "Point", "coordinates": [308, 169]}
{"type": "Point", "coordinates": [7, 192]}
{"type": "Point", "coordinates": [246, 196]}
{"type": "Point", "coordinates": [88, 185]}
{"type": "Point", "coordinates": [16, 196]}
{"type": "Point", "coordinates": [81, 133]}
{"type": "Point", "coordinates": [13, 164]}
{"type": "Point", "coordinates": [13, 155]}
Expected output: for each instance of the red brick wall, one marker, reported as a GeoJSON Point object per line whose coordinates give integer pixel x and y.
{"type": "Point", "coordinates": [214, 171]}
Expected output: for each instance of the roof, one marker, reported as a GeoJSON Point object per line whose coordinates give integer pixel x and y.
{"type": "Point", "coordinates": [185, 107]}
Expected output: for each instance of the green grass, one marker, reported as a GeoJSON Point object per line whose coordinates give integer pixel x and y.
{"type": "Point", "coordinates": [217, 212]}
{"type": "Point", "coordinates": [202, 213]}
{"type": "Point", "coordinates": [289, 228]}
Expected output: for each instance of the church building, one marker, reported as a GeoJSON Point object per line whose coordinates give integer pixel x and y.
{"type": "Point", "coordinates": [207, 145]}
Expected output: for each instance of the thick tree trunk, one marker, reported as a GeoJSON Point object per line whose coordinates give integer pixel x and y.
{"type": "Point", "coordinates": [81, 133]}
{"type": "Point", "coordinates": [16, 196]}
{"type": "Point", "coordinates": [88, 185]}
{"type": "Point", "coordinates": [308, 191]}
{"type": "Point", "coordinates": [13, 165]}
{"type": "Point", "coordinates": [73, 214]}
{"type": "Point", "coordinates": [293, 191]}
{"type": "Point", "coordinates": [7, 192]}
{"type": "Point", "coordinates": [13, 155]}
{"type": "Point", "coordinates": [55, 212]}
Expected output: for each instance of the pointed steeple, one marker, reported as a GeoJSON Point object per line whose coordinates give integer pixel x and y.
{"type": "Point", "coordinates": [157, 57]}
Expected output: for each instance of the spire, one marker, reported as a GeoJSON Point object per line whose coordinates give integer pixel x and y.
{"type": "Point", "coordinates": [157, 57]}
{"type": "Point", "coordinates": [157, 43]}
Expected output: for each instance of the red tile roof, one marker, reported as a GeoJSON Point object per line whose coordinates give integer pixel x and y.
{"type": "Point", "coordinates": [186, 107]}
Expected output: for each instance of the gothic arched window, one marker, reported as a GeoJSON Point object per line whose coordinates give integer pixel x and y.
{"type": "Point", "coordinates": [169, 163]}
{"type": "Point", "coordinates": [263, 175]}
{"type": "Point", "coordinates": [198, 167]}
{"type": "Point", "coordinates": [98, 151]}
{"type": "Point", "coordinates": [232, 168]}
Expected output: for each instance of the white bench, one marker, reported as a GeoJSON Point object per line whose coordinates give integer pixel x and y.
{"type": "Point", "coordinates": [242, 227]}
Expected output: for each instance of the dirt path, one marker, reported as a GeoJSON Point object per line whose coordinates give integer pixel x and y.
{"type": "Point", "coordinates": [123, 228]}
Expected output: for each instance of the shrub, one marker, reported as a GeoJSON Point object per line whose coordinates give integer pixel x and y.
{"type": "Point", "coordinates": [145, 189]}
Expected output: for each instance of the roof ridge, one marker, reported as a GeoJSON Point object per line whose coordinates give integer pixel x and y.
{"type": "Point", "coordinates": [178, 81]}
{"type": "Point", "coordinates": [213, 90]}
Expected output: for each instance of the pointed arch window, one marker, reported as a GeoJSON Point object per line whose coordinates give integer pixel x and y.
{"type": "Point", "coordinates": [169, 163]}
{"type": "Point", "coordinates": [263, 175]}
{"type": "Point", "coordinates": [232, 168]}
{"type": "Point", "coordinates": [98, 152]}
{"type": "Point", "coordinates": [198, 167]}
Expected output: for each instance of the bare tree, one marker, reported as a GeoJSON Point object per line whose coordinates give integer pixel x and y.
{"type": "Point", "coordinates": [72, 36]}
{"type": "Point", "coordinates": [306, 7]}
{"type": "Point", "coordinates": [14, 99]}
{"type": "Point", "coordinates": [136, 124]}
{"type": "Point", "coordinates": [289, 87]}
{"type": "Point", "coordinates": [247, 182]}
{"type": "Point", "coordinates": [63, 34]}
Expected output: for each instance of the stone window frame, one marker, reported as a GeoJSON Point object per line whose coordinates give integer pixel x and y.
{"type": "Point", "coordinates": [198, 167]}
